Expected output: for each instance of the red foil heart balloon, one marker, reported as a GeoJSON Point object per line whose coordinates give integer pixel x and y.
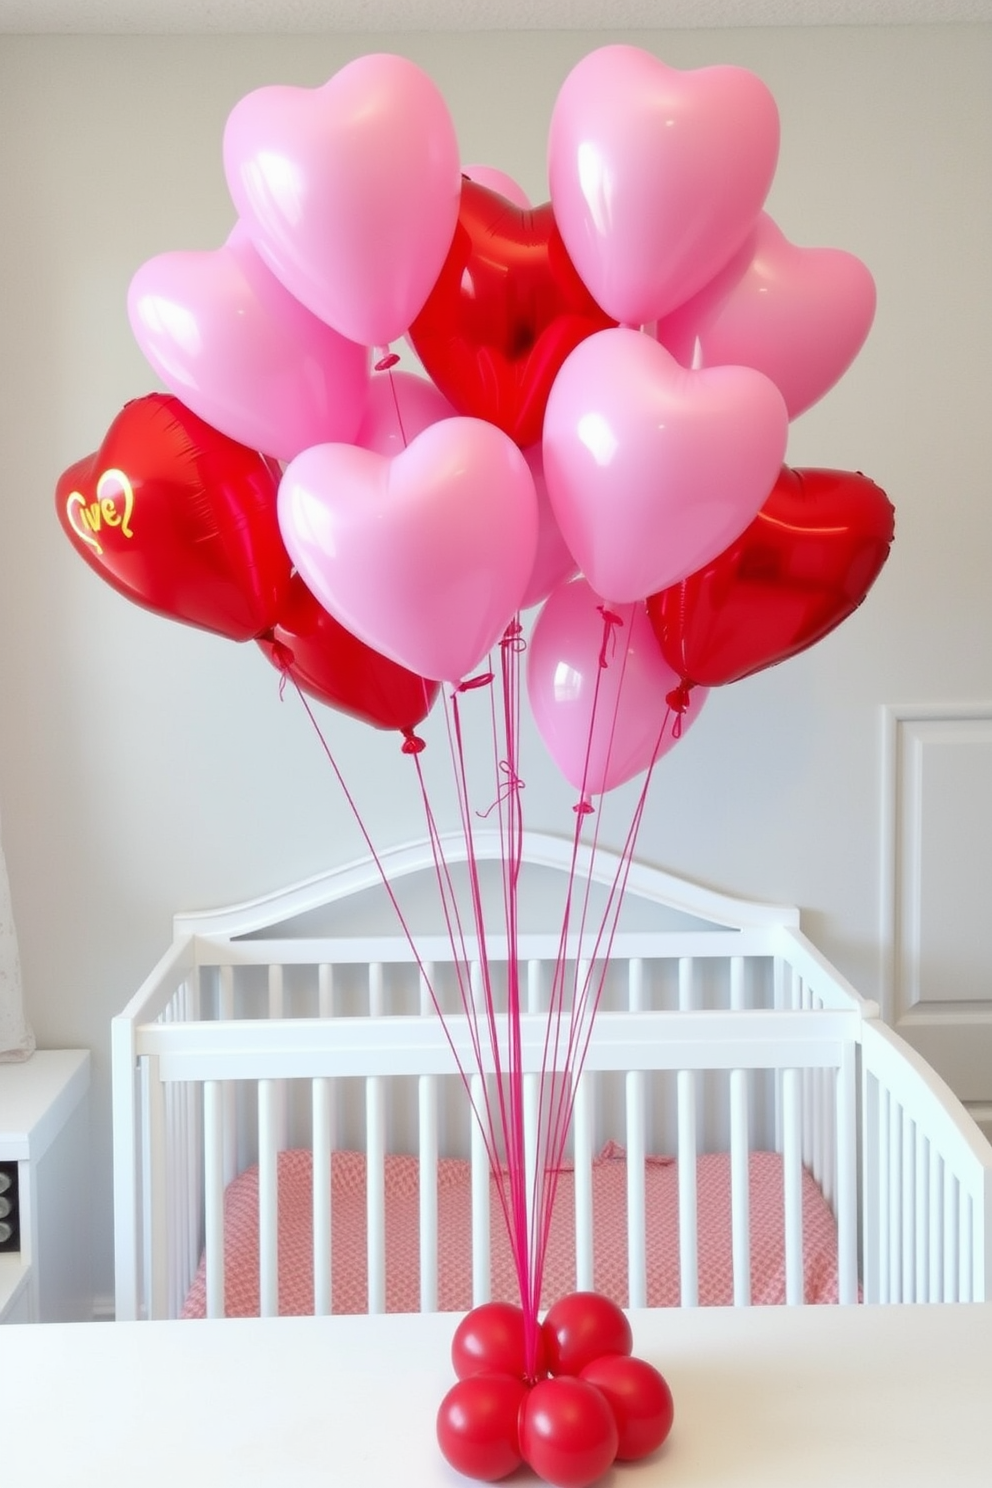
{"type": "Point", "coordinates": [506, 310]}
{"type": "Point", "coordinates": [803, 565]}
{"type": "Point", "coordinates": [180, 519]}
{"type": "Point", "coordinates": [337, 668]}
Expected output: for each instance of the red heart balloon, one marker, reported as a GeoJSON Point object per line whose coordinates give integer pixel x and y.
{"type": "Point", "coordinates": [506, 310]}
{"type": "Point", "coordinates": [337, 668]}
{"type": "Point", "coordinates": [181, 519]}
{"type": "Point", "coordinates": [805, 563]}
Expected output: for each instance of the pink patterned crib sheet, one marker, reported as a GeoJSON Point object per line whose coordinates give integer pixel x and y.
{"type": "Point", "coordinates": [348, 1236]}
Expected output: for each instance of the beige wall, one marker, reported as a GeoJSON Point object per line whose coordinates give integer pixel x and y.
{"type": "Point", "coordinates": [146, 767]}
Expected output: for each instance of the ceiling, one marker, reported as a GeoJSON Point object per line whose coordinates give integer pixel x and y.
{"type": "Point", "coordinates": [241, 16]}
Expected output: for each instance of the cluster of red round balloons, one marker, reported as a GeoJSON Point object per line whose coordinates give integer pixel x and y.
{"type": "Point", "coordinates": [610, 381]}
{"type": "Point", "coordinates": [582, 1402]}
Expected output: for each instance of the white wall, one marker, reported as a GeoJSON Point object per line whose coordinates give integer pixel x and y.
{"type": "Point", "coordinates": [146, 767]}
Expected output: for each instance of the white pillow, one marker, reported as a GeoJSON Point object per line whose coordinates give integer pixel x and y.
{"type": "Point", "coordinates": [16, 1038]}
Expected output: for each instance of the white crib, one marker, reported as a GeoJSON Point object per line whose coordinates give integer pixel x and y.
{"type": "Point", "coordinates": [303, 1021]}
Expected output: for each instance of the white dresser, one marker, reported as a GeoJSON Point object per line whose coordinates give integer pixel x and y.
{"type": "Point", "coordinates": [45, 1266]}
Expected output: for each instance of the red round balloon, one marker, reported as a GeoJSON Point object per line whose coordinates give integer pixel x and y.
{"type": "Point", "coordinates": [337, 668]}
{"type": "Point", "coordinates": [640, 1399]}
{"type": "Point", "coordinates": [180, 519]}
{"type": "Point", "coordinates": [803, 565]}
{"type": "Point", "coordinates": [567, 1432]}
{"type": "Point", "coordinates": [492, 1339]}
{"type": "Point", "coordinates": [477, 1425]}
{"type": "Point", "coordinates": [507, 308]}
{"type": "Point", "coordinates": [583, 1326]}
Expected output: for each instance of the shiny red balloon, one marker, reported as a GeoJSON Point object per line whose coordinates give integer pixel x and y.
{"type": "Point", "coordinates": [180, 519]}
{"type": "Point", "coordinates": [492, 1339]}
{"type": "Point", "coordinates": [506, 310]}
{"type": "Point", "coordinates": [477, 1425]}
{"type": "Point", "coordinates": [803, 565]}
{"type": "Point", "coordinates": [640, 1399]}
{"type": "Point", "coordinates": [567, 1432]}
{"type": "Point", "coordinates": [581, 1327]}
{"type": "Point", "coordinates": [337, 668]}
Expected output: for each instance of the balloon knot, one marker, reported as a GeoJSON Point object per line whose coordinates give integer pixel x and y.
{"type": "Point", "coordinates": [386, 360]}
{"type": "Point", "coordinates": [611, 620]}
{"type": "Point", "coordinates": [412, 743]}
{"type": "Point", "coordinates": [471, 683]}
{"type": "Point", "coordinates": [583, 807]}
{"type": "Point", "coordinates": [678, 698]}
{"type": "Point", "coordinates": [513, 637]}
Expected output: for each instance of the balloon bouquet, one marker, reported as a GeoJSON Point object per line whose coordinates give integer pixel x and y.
{"type": "Point", "coordinates": [601, 433]}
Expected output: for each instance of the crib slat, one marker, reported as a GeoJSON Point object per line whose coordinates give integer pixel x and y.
{"type": "Point", "coordinates": [736, 973]}
{"type": "Point", "coordinates": [325, 990]}
{"type": "Point", "coordinates": [427, 1128]}
{"type": "Point", "coordinates": [158, 1193]}
{"type": "Point", "coordinates": [534, 1155]}
{"type": "Point", "coordinates": [321, 1094]}
{"type": "Point", "coordinates": [740, 1188]}
{"type": "Point", "coordinates": [846, 1183]}
{"type": "Point", "coordinates": [792, 1167]}
{"type": "Point", "coordinates": [908, 1166]}
{"type": "Point", "coordinates": [583, 1139]}
{"type": "Point", "coordinates": [922, 1221]}
{"type": "Point", "coordinates": [225, 1011]}
{"type": "Point", "coordinates": [268, 1199]}
{"type": "Point", "coordinates": [896, 1198]}
{"type": "Point", "coordinates": [481, 1277]}
{"type": "Point", "coordinates": [951, 1211]}
{"type": "Point", "coordinates": [375, 1194]}
{"type": "Point", "coordinates": [884, 1199]}
{"type": "Point", "coordinates": [965, 1232]}
{"type": "Point", "coordinates": [871, 1185]}
{"type": "Point", "coordinates": [936, 1227]}
{"type": "Point", "coordinates": [688, 1219]}
{"type": "Point", "coordinates": [213, 1181]}
{"type": "Point", "coordinates": [637, 1286]}
{"type": "Point", "coordinates": [277, 1010]}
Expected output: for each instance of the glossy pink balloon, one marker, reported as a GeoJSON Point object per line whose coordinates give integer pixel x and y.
{"type": "Point", "coordinates": [553, 563]}
{"type": "Point", "coordinates": [657, 175]}
{"type": "Point", "coordinates": [800, 315]}
{"type": "Point", "coordinates": [600, 738]}
{"type": "Point", "coordinates": [234, 346]}
{"type": "Point", "coordinates": [498, 181]}
{"type": "Point", "coordinates": [398, 407]}
{"type": "Point", "coordinates": [653, 470]}
{"type": "Point", "coordinates": [350, 191]}
{"type": "Point", "coordinates": [424, 556]}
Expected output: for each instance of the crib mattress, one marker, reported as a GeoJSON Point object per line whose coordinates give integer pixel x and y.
{"type": "Point", "coordinates": [348, 1235]}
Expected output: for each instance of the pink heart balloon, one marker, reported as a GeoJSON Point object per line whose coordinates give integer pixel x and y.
{"type": "Point", "coordinates": [599, 689]}
{"type": "Point", "coordinates": [398, 407]}
{"type": "Point", "coordinates": [350, 191]}
{"type": "Point", "coordinates": [235, 347]}
{"type": "Point", "coordinates": [424, 555]}
{"type": "Point", "coordinates": [800, 315]}
{"type": "Point", "coordinates": [657, 175]}
{"type": "Point", "coordinates": [653, 470]}
{"type": "Point", "coordinates": [497, 180]}
{"type": "Point", "coordinates": [553, 563]}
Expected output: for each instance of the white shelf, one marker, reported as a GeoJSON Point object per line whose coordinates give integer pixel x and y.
{"type": "Point", "coordinates": [44, 1130]}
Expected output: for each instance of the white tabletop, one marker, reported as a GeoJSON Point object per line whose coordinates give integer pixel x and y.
{"type": "Point", "coordinates": [764, 1398]}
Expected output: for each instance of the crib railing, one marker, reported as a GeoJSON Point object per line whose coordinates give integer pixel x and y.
{"type": "Point", "coordinates": [185, 1072]}
{"type": "Point", "coordinates": [927, 1181]}
{"type": "Point", "coordinates": [728, 1033]}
